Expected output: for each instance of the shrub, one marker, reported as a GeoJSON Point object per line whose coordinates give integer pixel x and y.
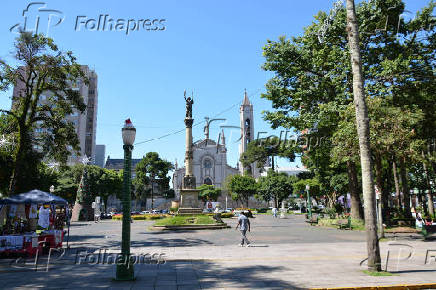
{"type": "Point", "coordinates": [338, 208]}
{"type": "Point", "coordinates": [141, 217]}
{"type": "Point", "coordinates": [262, 210]}
{"type": "Point", "coordinates": [227, 215]}
{"type": "Point", "coordinates": [174, 209]}
{"type": "Point", "coordinates": [331, 212]}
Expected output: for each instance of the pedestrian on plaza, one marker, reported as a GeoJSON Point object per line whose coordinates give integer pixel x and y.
{"type": "Point", "coordinates": [244, 225]}
{"type": "Point", "coordinates": [274, 212]}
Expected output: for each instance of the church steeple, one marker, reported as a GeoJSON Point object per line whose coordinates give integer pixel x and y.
{"type": "Point", "coordinates": [247, 133]}
{"type": "Point", "coordinates": [223, 138]}
{"type": "Point", "coordinates": [246, 101]}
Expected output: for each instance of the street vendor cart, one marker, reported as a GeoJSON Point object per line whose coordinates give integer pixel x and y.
{"type": "Point", "coordinates": [32, 222]}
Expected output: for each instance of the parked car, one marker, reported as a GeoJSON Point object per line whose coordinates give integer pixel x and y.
{"type": "Point", "coordinates": [164, 211]}
{"type": "Point", "coordinates": [145, 212]}
{"type": "Point", "coordinates": [155, 211]}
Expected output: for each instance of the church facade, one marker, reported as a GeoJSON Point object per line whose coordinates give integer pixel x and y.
{"type": "Point", "coordinates": [210, 158]}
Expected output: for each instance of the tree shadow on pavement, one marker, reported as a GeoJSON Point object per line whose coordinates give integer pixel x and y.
{"type": "Point", "coordinates": [213, 275]}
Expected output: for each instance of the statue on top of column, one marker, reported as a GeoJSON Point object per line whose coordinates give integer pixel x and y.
{"type": "Point", "coordinates": [189, 103]}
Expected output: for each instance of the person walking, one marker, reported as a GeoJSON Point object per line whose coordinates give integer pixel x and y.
{"type": "Point", "coordinates": [244, 225]}
{"type": "Point", "coordinates": [274, 212]}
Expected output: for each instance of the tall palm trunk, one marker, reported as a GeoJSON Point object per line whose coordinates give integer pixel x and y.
{"type": "Point", "coordinates": [362, 120]}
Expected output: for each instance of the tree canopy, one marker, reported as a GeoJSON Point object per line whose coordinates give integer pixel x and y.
{"type": "Point", "coordinates": [41, 69]}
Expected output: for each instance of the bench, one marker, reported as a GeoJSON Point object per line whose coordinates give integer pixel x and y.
{"type": "Point", "coordinates": [427, 231]}
{"type": "Point", "coordinates": [344, 224]}
{"type": "Point", "coordinates": [313, 220]}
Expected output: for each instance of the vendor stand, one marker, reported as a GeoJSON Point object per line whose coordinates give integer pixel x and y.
{"type": "Point", "coordinates": [32, 222]}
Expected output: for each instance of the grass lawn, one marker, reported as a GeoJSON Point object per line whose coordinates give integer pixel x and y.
{"type": "Point", "coordinates": [377, 274]}
{"type": "Point", "coordinates": [356, 224]}
{"type": "Point", "coordinates": [186, 220]}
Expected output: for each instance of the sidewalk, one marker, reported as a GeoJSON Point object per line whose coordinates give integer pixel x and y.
{"type": "Point", "coordinates": [258, 267]}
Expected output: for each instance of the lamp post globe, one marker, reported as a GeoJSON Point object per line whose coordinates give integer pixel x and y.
{"type": "Point", "coordinates": [125, 271]}
{"type": "Point", "coordinates": [52, 189]}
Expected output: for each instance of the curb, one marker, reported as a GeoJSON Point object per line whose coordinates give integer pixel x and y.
{"type": "Point", "coordinates": [192, 227]}
{"type": "Point", "coordinates": [393, 287]}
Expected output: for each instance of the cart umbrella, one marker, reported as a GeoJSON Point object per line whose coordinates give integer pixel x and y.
{"type": "Point", "coordinates": [34, 196]}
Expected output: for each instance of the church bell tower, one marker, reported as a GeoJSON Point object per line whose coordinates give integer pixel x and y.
{"type": "Point", "coordinates": [247, 134]}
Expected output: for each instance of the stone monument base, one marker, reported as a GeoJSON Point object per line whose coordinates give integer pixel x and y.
{"type": "Point", "coordinates": [189, 202]}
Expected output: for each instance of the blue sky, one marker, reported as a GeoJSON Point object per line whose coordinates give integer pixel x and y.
{"type": "Point", "coordinates": [213, 48]}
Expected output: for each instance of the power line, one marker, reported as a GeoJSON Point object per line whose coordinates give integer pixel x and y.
{"type": "Point", "coordinates": [195, 125]}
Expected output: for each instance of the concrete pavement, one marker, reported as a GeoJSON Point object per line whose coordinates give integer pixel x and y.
{"type": "Point", "coordinates": [212, 259]}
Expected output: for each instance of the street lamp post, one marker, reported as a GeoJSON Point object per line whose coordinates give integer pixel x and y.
{"type": "Point", "coordinates": [52, 189]}
{"type": "Point", "coordinates": [125, 270]}
{"type": "Point", "coordinates": [309, 201]}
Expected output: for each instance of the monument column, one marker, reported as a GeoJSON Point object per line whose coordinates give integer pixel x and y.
{"type": "Point", "coordinates": [188, 154]}
{"type": "Point", "coordinates": [188, 193]}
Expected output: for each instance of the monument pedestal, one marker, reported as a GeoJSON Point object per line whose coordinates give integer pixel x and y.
{"type": "Point", "coordinates": [189, 202]}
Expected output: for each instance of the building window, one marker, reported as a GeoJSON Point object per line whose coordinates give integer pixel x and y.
{"type": "Point", "coordinates": [207, 164]}
{"type": "Point", "coordinates": [247, 130]}
{"type": "Point", "coordinates": [208, 181]}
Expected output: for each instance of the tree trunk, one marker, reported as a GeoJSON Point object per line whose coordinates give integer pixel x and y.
{"type": "Point", "coordinates": [397, 184]}
{"type": "Point", "coordinates": [16, 172]}
{"type": "Point", "coordinates": [379, 179]}
{"type": "Point", "coordinates": [388, 188]}
{"type": "Point", "coordinates": [405, 188]}
{"type": "Point", "coordinates": [430, 205]}
{"type": "Point", "coordinates": [362, 120]}
{"type": "Point", "coordinates": [356, 204]}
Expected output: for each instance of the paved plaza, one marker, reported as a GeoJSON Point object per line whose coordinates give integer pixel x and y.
{"type": "Point", "coordinates": [286, 253]}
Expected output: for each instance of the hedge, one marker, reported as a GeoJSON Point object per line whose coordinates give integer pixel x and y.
{"type": "Point", "coordinates": [142, 217]}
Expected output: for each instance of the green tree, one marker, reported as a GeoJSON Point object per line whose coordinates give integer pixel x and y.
{"type": "Point", "coordinates": [208, 192]}
{"type": "Point", "coordinates": [275, 186]}
{"type": "Point", "coordinates": [101, 182]}
{"type": "Point", "coordinates": [41, 69]}
{"type": "Point", "coordinates": [241, 188]}
{"type": "Point", "coordinates": [148, 170]}
{"type": "Point", "coordinates": [259, 150]}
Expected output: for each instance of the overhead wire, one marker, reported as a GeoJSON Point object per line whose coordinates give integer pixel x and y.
{"type": "Point", "coordinates": [195, 125]}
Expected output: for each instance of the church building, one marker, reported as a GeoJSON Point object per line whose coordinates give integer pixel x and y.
{"type": "Point", "coordinates": [210, 158]}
